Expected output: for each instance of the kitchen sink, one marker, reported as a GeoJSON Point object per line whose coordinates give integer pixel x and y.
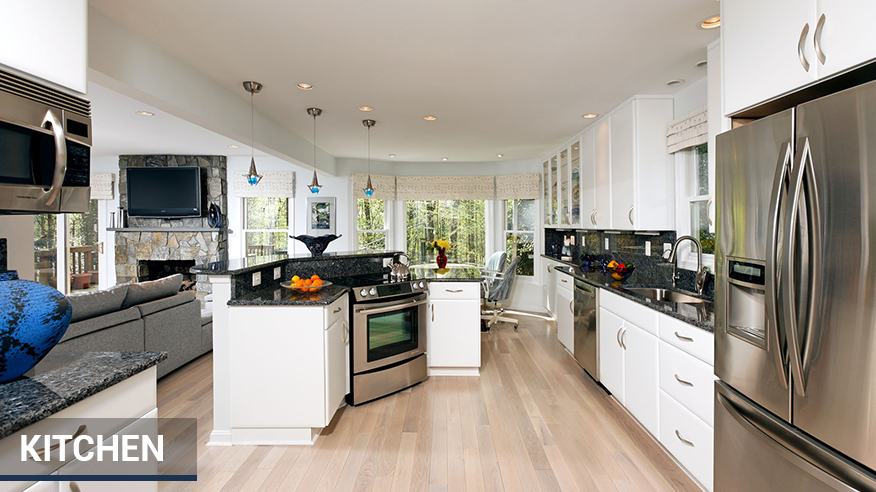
{"type": "Point", "coordinates": [666, 295]}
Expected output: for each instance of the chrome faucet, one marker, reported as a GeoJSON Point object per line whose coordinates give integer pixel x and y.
{"type": "Point", "coordinates": [702, 271]}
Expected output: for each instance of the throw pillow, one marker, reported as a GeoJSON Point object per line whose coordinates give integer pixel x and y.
{"type": "Point", "coordinates": [141, 292]}
{"type": "Point", "coordinates": [94, 304]}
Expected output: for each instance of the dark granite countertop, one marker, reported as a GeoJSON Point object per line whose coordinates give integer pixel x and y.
{"type": "Point", "coordinates": [62, 379]}
{"type": "Point", "coordinates": [453, 273]}
{"type": "Point", "coordinates": [253, 263]}
{"type": "Point", "coordinates": [281, 296]}
{"type": "Point", "coordinates": [701, 315]}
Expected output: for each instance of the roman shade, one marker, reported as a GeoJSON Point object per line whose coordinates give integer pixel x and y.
{"type": "Point", "coordinates": [445, 187]}
{"type": "Point", "coordinates": [688, 131]}
{"type": "Point", "coordinates": [518, 186]}
{"type": "Point", "coordinates": [277, 184]}
{"type": "Point", "coordinates": [384, 186]}
{"type": "Point", "coordinates": [102, 186]}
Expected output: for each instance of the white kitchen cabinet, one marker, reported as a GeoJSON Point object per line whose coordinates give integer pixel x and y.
{"type": "Point", "coordinates": [688, 438]}
{"type": "Point", "coordinates": [602, 179]}
{"type": "Point", "coordinates": [689, 381]}
{"type": "Point", "coordinates": [622, 168]}
{"type": "Point", "coordinates": [575, 183]}
{"type": "Point", "coordinates": [565, 314]}
{"type": "Point", "coordinates": [611, 353]}
{"type": "Point", "coordinates": [588, 178]}
{"type": "Point", "coordinates": [847, 37]}
{"type": "Point", "coordinates": [335, 346]}
{"type": "Point", "coordinates": [453, 330]}
{"type": "Point", "coordinates": [546, 191]}
{"type": "Point", "coordinates": [565, 176]}
{"type": "Point", "coordinates": [550, 286]}
{"type": "Point", "coordinates": [640, 376]}
{"type": "Point", "coordinates": [47, 39]}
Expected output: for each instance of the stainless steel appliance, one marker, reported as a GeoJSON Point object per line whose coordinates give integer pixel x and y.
{"type": "Point", "coordinates": [45, 140]}
{"type": "Point", "coordinates": [586, 341]}
{"type": "Point", "coordinates": [388, 340]}
{"type": "Point", "coordinates": [795, 325]}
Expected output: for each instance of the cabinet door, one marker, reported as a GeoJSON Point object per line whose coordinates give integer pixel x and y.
{"type": "Point", "coordinates": [546, 195]}
{"type": "Point", "coordinates": [335, 367]}
{"type": "Point", "coordinates": [454, 333]}
{"type": "Point", "coordinates": [555, 202]}
{"type": "Point", "coordinates": [552, 287]}
{"type": "Point", "coordinates": [640, 376]}
{"type": "Point", "coordinates": [622, 167]}
{"type": "Point", "coordinates": [563, 205]}
{"type": "Point", "coordinates": [602, 177]}
{"type": "Point", "coordinates": [611, 354]}
{"type": "Point", "coordinates": [847, 37]}
{"type": "Point", "coordinates": [759, 40]}
{"type": "Point", "coordinates": [565, 319]}
{"type": "Point", "coordinates": [588, 178]}
{"type": "Point", "coordinates": [575, 184]}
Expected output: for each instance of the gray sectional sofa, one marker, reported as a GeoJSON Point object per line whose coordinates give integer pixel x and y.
{"type": "Point", "coordinates": [151, 316]}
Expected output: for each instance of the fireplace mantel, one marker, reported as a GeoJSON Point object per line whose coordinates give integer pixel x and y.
{"type": "Point", "coordinates": [170, 230]}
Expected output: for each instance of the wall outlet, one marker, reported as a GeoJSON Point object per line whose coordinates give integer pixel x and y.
{"type": "Point", "coordinates": [667, 248]}
{"type": "Point", "coordinates": [606, 244]}
{"type": "Point", "coordinates": [647, 248]}
{"type": "Point", "coordinates": [387, 262]}
{"type": "Point", "coordinates": [583, 241]}
{"type": "Point", "coordinates": [256, 278]}
{"type": "Point", "coordinates": [277, 272]}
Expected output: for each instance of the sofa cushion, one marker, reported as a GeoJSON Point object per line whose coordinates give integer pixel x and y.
{"type": "Point", "coordinates": [151, 307]}
{"type": "Point", "coordinates": [97, 303]}
{"type": "Point", "coordinates": [126, 337]}
{"type": "Point", "coordinates": [89, 325]}
{"type": "Point", "coordinates": [141, 292]}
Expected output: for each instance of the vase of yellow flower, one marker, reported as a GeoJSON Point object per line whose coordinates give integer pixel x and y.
{"type": "Point", "coordinates": [441, 246]}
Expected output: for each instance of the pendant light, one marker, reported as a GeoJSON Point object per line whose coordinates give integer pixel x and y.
{"type": "Point", "coordinates": [252, 177]}
{"type": "Point", "coordinates": [314, 183]}
{"type": "Point", "coordinates": [369, 190]}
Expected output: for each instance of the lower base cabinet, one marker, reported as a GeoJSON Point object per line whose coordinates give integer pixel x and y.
{"type": "Point", "coordinates": [611, 353]}
{"type": "Point", "coordinates": [640, 378]}
{"type": "Point", "coordinates": [688, 438]}
{"type": "Point", "coordinates": [565, 318]}
{"type": "Point", "coordinates": [453, 330]}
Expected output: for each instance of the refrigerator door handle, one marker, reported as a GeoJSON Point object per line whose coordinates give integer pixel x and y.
{"type": "Point", "coordinates": [814, 228]}
{"type": "Point", "coordinates": [777, 197]}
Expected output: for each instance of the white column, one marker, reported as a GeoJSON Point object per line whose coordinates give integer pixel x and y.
{"type": "Point", "coordinates": [221, 435]}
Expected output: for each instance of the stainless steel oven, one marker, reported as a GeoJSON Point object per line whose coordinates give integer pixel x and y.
{"type": "Point", "coordinates": [388, 340]}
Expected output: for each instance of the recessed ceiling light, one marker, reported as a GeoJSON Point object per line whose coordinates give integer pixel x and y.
{"type": "Point", "coordinates": [500, 155]}
{"type": "Point", "coordinates": [145, 113]}
{"type": "Point", "coordinates": [443, 158]}
{"type": "Point", "coordinates": [430, 118]}
{"type": "Point", "coordinates": [392, 155]}
{"type": "Point", "coordinates": [674, 82]}
{"type": "Point", "coordinates": [702, 63]}
{"type": "Point", "coordinates": [711, 22]}
{"type": "Point", "coordinates": [365, 108]}
{"type": "Point", "coordinates": [574, 148]}
{"type": "Point", "coordinates": [589, 115]}
{"type": "Point", "coordinates": [232, 146]}
{"type": "Point", "coordinates": [305, 87]}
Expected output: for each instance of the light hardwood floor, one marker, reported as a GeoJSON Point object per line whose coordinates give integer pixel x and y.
{"type": "Point", "coordinates": [532, 421]}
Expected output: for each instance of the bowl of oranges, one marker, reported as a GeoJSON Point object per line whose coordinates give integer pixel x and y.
{"type": "Point", "coordinates": [312, 284]}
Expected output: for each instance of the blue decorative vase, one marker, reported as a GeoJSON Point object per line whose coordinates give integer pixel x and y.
{"type": "Point", "coordinates": [33, 318]}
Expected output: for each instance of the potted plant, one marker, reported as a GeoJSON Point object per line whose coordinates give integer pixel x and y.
{"type": "Point", "coordinates": [441, 246]}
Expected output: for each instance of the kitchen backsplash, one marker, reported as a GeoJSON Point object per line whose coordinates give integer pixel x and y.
{"type": "Point", "coordinates": [625, 248]}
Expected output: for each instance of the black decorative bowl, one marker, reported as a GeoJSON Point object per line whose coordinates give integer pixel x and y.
{"type": "Point", "coordinates": [316, 244]}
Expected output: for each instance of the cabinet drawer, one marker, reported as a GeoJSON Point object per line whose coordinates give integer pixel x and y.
{"type": "Point", "coordinates": [336, 310]}
{"type": "Point", "coordinates": [688, 438]}
{"type": "Point", "coordinates": [565, 281]}
{"type": "Point", "coordinates": [698, 343]}
{"type": "Point", "coordinates": [454, 290]}
{"type": "Point", "coordinates": [637, 314]}
{"type": "Point", "coordinates": [689, 380]}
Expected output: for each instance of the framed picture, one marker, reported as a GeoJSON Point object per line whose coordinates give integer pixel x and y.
{"type": "Point", "coordinates": [321, 215]}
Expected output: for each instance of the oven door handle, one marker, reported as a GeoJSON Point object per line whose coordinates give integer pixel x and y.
{"type": "Point", "coordinates": [391, 308]}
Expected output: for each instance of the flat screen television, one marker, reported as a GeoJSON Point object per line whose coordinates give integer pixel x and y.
{"type": "Point", "coordinates": [164, 191]}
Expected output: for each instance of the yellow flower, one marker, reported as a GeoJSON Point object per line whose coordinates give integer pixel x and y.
{"type": "Point", "coordinates": [440, 243]}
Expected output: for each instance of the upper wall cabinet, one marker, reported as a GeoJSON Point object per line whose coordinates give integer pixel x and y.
{"type": "Point", "coordinates": [48, 39]}
{"type": "Point", "coordinates": [775, 47]}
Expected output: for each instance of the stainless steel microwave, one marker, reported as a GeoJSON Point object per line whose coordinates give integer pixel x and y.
{"type": "Point", "coordinates": [45, 148]}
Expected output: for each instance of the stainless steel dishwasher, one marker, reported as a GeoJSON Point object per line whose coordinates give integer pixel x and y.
{"type": "Point", "coordinates": [586, 333]}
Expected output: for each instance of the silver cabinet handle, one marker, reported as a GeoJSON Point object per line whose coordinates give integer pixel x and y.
{"type": "Point", "coordinates": [60, 156]}
{"type": "Point", "coordinates": [617, 337]}
{"type": "Point", "coordinates": [338, 310]}
{"type": "Point", "coordinates": [708, 213]}
{"type": "Point", "coordinates": [623, 339]}
{"type": "Point", "coordinates": [682, 381]}
{"type": "Point", "coordinates": [817, 39]}
{"type": "Point", "coordinates": [683, 338]}
{"type": "Point", "coordinates": [593, 216]}
{"type": "Point", "coordinates": [630, 215]}
{"type": "Point", "coordinates": [74, 487]}
{"type": "Point", "coordinates": [46, 451]}
{"type": "Point", "coordinates": [564, 281]}
{"type": "Point", "coordinates": [347, 332]}
{"type": "Point", "coordinates": [678, 435]}
{"type": "Point", "coordinates": [800, 54]}
{"type": "Point", "coordinates": [453, 291]}
{"type": "Point", "coordinates": [570, 306]}
{"type": "Point", "coordinates": [549, 269]}
{"type": "Point", "coordinates": [433, 313]}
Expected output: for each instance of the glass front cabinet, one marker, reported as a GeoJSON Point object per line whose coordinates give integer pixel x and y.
{"type": "Point", "coordinates": [555, 196]}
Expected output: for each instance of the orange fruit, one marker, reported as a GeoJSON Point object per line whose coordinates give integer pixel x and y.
{"type": "Point", "coordinates": [317, 282]}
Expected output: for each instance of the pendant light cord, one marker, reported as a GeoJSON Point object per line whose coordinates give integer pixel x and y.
{"type": "Point", "coordinates": [369, 151]}
{"type": "Point", "coordinates": [314, 142]}
{"type": "Point", "coordinates": [252, 125]}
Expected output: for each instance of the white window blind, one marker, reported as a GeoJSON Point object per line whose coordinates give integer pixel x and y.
{"type": "Point", "coordinates": [518, 186]}
{"type": "Point", "coordinates": [276, 184]}
{"type": "Point", "coordinates": [688, 131]}
{"type": "Point", "coordinates": [446, 187]}
{"type": "Point", "coordinates": [102, 186]}
{"type": "Point", "coordinates": [384, 186]}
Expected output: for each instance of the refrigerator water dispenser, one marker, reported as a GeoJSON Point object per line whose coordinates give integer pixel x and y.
{"type": "Point", "coordinates": [746, 312]}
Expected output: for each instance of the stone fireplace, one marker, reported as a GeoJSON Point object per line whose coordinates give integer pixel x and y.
{"type": "Point", "coordinates": [173, 240]}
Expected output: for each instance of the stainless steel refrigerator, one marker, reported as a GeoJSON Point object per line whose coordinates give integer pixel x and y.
{"type": "Point", "coordinates": [795, 323]}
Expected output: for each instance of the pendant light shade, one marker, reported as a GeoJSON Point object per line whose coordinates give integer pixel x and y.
{"type": "Point", "coordinates": [314, 183]}
{"type": "Point", "coordinates": [369, 190]}
{"type": "Point", "coordinates": [252, 177]}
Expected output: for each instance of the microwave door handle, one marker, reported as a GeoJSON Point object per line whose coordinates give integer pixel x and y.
{"type": "Point", "coordinates": [51, 121]}
{"type": "Point", "coordinates": [779, 185]}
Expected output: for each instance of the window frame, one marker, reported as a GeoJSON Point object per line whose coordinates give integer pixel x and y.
{"type": "Point", "coordinates": [687, 256]}
{"type": "Point", "coordinates": [516, 230]}
{"type": "Point", "coordinates": [400, 232]}
{"type": "Point", "coordinates": [387, 217]}
{"type": "Point", "coordinates": [290, 224]}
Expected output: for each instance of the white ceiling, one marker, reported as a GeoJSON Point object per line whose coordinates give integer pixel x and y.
{"type": "Point", "coordinates": [510, 77]}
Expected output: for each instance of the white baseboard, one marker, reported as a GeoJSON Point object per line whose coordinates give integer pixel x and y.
{"type": "Point", "coordinates": [219, 438]}
{"type": "Point", "coordinates": [304, 436]}
{"type": "Point", "coordinates": [454, 371]}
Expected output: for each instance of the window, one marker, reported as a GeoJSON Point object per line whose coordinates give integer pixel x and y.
{"type": "Point", "coordinates": [371, 229]}
{"type": "Point", "coordinates": [45, 249]}
{"type": "Point", "coordinates": [520, 234]}
{"type": "Point", "coordinates": [78, 235]}
{"type": "Point", "coordinates": [460, 222]}
{"type": "Point", "coordinates": [265, 226]}
{"type": "Point", "coordinates": [695, 204]}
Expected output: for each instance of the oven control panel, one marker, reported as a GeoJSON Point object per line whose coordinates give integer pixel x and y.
{"type": "Point", "coordinates": [388, 290]}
